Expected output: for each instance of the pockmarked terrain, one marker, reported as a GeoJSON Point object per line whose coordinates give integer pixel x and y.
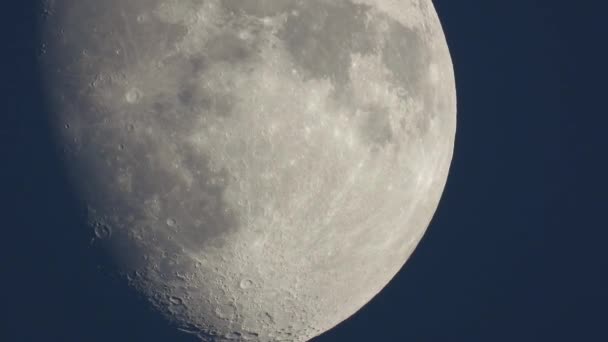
{"type": "Point", "coordinates": [259, 169]}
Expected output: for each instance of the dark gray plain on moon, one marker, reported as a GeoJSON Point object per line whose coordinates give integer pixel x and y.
{"type": "Point", "coordinates": [259, 169]}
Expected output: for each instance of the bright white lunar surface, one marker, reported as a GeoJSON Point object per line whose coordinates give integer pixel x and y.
{"type": "Point", "coordinates": [260, 169]}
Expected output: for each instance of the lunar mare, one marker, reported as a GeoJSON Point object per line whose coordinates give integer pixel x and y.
{"type": "Point", "coordinates": [260, 169]}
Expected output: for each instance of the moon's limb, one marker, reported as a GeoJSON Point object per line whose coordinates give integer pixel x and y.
{"type": "Point", "coordinates": [261, 169]}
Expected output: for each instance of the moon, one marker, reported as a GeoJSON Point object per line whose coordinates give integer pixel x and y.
{"type": "Point", "coordinates": [258, 170]}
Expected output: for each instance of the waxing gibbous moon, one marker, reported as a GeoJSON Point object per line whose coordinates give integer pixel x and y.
{"type": "Point", "coordinates": [259, 170]}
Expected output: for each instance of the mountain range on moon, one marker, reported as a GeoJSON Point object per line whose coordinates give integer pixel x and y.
{"type": "Point", "coordinates": [258, 170]}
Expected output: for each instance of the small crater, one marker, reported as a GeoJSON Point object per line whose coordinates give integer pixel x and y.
{"type": "Point", "coordinates": [225, 311]}
{"type": "Point", "coordinates": [42, 50]}
{"type": "Point", "coordinates": [235, 335]}
{"type": "Point", "coordinates": [171, 222]}
{"type": "Point", "coordinates": [102, 231]}
{"type": "Point", "coordinates": [97, 81]}
{"type": "Point", "coordinates": [133, 95]}
{"type": "Point", "coordinates": [176, 300]}
{"type": "Point", "coordinates": [267, 319]}
{"type": "Point", "coordinates": [250, 336]}
{"type": "Point", "coordinates": [246, 284]}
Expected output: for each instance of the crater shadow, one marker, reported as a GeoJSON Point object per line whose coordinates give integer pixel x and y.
{"type": "Point", "coordinates": [56, 285]}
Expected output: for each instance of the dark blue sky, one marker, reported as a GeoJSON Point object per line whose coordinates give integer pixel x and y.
{"type": "Point", "coordinates": [518, 248]}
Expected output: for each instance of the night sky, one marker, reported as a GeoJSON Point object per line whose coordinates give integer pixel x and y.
{"type": "Point", "coordinates": [518, 248]}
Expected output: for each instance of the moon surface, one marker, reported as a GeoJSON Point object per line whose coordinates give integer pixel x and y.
{"type": "Point", "coordinates": [259, 170]}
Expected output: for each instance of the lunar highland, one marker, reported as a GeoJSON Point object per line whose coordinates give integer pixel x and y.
{"type": "Point", "coordinates": [259, 170]}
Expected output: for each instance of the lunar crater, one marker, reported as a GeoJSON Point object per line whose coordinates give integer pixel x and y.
{"type": "Point", "coordinates": [245, 153]}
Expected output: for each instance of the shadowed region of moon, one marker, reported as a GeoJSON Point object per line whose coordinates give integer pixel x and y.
{"type": "Point", "coordinates": [258, 170]}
